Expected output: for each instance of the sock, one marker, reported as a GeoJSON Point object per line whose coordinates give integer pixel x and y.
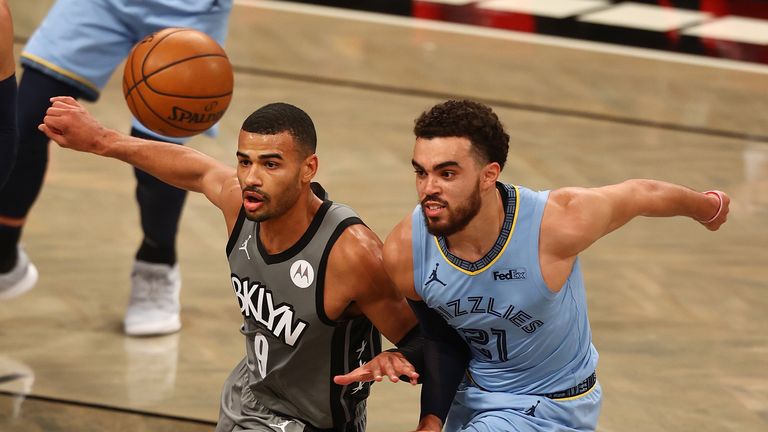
{"type": "Point", "coordinates": [9, 240]}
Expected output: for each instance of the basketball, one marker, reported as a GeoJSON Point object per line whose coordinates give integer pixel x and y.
{"type": "Point", "coordinates": [178, 82]}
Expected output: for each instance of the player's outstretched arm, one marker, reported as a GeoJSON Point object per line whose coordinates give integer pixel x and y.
{"type": "Point", "coordinates": [574, 218]}
{"type": "Point", "coordinates": [71, 126]}
{"type": "Point", "coordinates": [356, 269]}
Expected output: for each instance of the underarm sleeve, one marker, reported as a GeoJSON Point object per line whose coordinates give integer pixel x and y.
{"type": "Point", "coordinates": [412, 348]}
{"type": "Point", "coordinates": [446, 356]}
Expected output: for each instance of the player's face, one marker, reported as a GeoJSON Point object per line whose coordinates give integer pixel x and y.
{"type": "Point", "coordinates": [269, 169]}
{"type": "Point", "coordinates": [448, 183]}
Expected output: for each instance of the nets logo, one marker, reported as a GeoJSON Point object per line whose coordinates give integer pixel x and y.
{"type": "Point", "coordinates": [302, 274]}
{"type": "Point", "coordinates": [512, 274]}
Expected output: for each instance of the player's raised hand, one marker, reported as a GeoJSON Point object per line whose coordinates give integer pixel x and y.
{"type": "Point", "coordinates": [391, 364]}
{"type": "Point", "coordinates": [721, 216]}
{"type": "Point", "coordinates": [72, 126]}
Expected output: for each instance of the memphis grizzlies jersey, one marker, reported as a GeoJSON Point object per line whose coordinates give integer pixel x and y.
{"type": "Point", "coordinates": [293, 349]}
{"type": "Point", "coordinates": [523, 338]}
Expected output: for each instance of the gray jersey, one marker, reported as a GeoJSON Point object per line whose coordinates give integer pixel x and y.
{"type": "Point", "coordinates": [293, 349]}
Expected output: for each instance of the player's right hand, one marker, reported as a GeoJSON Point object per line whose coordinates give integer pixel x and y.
{"type": "Point", "coordinates": [388, 363]}
{"type": "Point", "coordinates": [71, 126]}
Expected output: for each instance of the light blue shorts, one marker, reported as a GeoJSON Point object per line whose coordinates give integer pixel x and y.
{"type": "Point", "coordinates": [476, 410]}
{"type": "Point", "coordinates": [81, 42]}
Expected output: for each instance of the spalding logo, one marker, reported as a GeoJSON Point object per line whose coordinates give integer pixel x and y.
{"type": "Point", "coordinates": [182, 115]}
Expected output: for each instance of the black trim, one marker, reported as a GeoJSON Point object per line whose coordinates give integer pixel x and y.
{"type": "Point", "coordinates": [338, 357]}
{"type": "Point", "coordinates": [235, 234]}
{"type": "Point", "coordinates": [343, 357]}
{"type": "Point", "coordinates": [509, 200]}
{"type": "Point", "coordinates": [320, 284]}
{"type": "Point", "coordinates": [318, 190]}
{"type": "Point", "coordinates": [578, 389]}
{"type": "Point", "coordinates": [297, 247]}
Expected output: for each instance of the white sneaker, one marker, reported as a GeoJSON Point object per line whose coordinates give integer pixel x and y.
{"type": "Point", "coordinates": [154, 305]}
{"type": "Point", "coordinates": [21, 278]}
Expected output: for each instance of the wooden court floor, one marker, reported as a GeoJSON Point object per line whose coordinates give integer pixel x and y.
{"type": "Point", "coordinates": [679, 314]}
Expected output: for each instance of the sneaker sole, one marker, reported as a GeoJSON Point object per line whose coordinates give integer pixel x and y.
{"type": "Point", "coordinates": [25, 284]}
{"type": "Point", "coordinates": [168, 326]}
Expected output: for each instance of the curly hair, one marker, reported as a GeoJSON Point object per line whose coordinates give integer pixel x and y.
{"type": "Point", "coordinates": [466, 119]}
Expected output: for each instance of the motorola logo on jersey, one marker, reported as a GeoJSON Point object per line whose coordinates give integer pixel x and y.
{"type": "Point", "coordinates": [512, 274]}
{"type": "Point", "coordinates": [302, 274]}
{"type": "Point", "coordinates": [257, 302]}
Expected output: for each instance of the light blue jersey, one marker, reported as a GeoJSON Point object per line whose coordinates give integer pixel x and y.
{"type": "Point", "coordinates": [81, 42]}
{"type": "Point", "coordinates": [525, 340]}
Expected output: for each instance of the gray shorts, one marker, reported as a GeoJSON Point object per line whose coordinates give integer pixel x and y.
{"type": "Point", "coordinates": [241, 411]}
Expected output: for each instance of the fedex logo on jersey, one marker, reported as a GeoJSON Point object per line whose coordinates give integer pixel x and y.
{"type": "Point", "coordinates": [257, 302]}
{"type": "Point", "coordinates": [512, 274]}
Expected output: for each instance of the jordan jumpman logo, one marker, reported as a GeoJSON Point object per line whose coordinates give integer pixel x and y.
{"type": "Point", "coordinates": [532, 410]}
{"type": "Point", "coordinates": [244, 248]}
{"type": "Point", "coordinates": [433, 277]}
{"type": "Point", "coordinates": [282, 425]}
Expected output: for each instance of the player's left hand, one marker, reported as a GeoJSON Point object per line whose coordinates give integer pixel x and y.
{"type": "Point", "coordinates": [723, 204]}
{"type": "Point", "coordinates": [391, 364]}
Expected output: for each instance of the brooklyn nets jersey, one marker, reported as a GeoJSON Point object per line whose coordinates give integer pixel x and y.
{"type": "Point", "coordinates": [294, 349]}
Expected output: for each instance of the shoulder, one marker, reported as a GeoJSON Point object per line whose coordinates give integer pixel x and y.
{"type": "Point", "coordinates": [358, 245]}
{"type": "Point", "coordinates": [397, 246]}
{"type": "Point", "coordinates": [398, 257]}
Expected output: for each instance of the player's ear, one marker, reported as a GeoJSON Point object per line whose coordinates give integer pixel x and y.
{"type": "Point", "coordinates": [490, 174]}
{"type": "Point", "coordinates": [309, 168]}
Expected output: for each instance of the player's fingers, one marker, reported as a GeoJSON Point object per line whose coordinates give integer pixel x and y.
{"type": "Point", "coordinates": [357, 375]}
{"type": "Point", "coordinates": [56, 123]}
{"type": "Point", "coordinates": [68, 100]}
{"type": "Point", "coordinates": [405, 368]}
{"type": "Point", "coordinates": [390, 370]}
{"type": "Point", "coordinates": [51, 133]}
{"type": "Point", "coordinates": [376, 372]}
{"type": "Point", "coordinates": [56, 111]}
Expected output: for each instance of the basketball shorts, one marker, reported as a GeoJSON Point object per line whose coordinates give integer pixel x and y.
{"type": "Point", "coordinates": [241, 410]}
{"type": "Point", "coordinates": [477, 410]}
{"type": "Point", "coordinates": [82, 42]}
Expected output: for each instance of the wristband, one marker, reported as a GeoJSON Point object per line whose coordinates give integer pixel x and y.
{"type": "Point", "coordinates": [719, 208]}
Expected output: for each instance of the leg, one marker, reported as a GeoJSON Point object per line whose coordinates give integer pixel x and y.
{"type": "Point", "coordinates": [155, 281]}
{"type": "Point", "coordinates": [26, 179]}
{"type": "Point", "coordinates": [72, 53]}
{"type": "Point", "coordinates": [8, 138]}
{"type": "Point", "coordinates": [160, 204]}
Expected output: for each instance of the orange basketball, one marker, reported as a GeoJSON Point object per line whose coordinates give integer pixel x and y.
{"type": "Point", "coordinates": [178, 82]}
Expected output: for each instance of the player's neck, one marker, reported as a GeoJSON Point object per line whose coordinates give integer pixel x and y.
{"type": "Point", "coordinates": [479, 236]}
{"type": "Point", "coordinates": [280, 233]}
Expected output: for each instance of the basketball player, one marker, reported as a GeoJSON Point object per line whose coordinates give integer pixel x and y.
{"type": "Point", "coordinates": [307, 274]}
{"type": "Point", "coordinates": [492, 272]}
{"type": "Point", "coordinates": [74, 52]}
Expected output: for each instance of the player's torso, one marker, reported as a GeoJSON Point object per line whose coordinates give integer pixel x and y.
{"type": "Point", "coordinates": [518, 330]}
{"type": "Point", "coordinates": [293, 348]}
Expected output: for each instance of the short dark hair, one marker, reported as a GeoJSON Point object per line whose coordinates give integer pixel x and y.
{"type": "Point", "coordinates": [466, 119]}
{"type": "Point", "coordinates": [278, 117]}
